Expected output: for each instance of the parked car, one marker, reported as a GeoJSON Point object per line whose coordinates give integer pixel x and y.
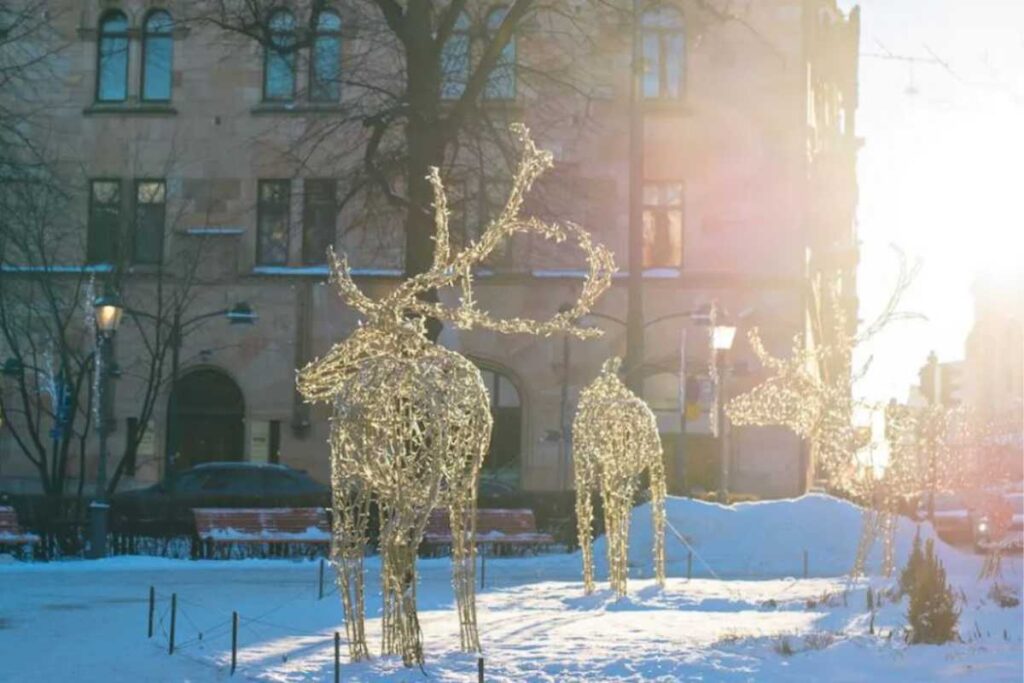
{"type": "Point", "coordinates": [954, 519]}
{"type": "Point", "coordinates": [166, 507]}
{"type": "Point", "coordinates": [1002, 524]}
{"type": "Point", "coordinates": [492, 490]}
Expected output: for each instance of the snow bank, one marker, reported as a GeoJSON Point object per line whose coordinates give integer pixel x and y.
{"type": "Point", "coordinates": [768, 539]}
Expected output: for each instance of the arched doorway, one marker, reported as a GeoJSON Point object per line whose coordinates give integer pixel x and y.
{"type": "Point", "coordinates": [210, 419]}
{"type": "Point", "coordinates": [502, 463]}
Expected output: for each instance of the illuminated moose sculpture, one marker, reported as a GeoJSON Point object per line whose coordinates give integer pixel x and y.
{"type": "Point", "coordinates": [411, 419]}
{"type": "Point", "coordinates": [615, 439]}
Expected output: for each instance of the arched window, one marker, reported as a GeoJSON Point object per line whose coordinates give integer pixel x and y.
{"type": "Point", "coordinates": [455, 60]}
{"type": "Point", "coordinates": [157, 57]}
{"type": "Point", "coordinates": [664, 52]}
{"type": "Point", "coordinates": [502, 462]}
{"type": "Point", "coordinates": [279, 58]}
{"type": "Point", "coordinates": [325, 62]}
{"type": "Point", "coordinates": [501, 83]}
{"type": "Point", "coordinates": [112, 66]}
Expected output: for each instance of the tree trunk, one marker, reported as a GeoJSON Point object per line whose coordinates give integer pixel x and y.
{"type": "Point", "coordinates": [425, 143]}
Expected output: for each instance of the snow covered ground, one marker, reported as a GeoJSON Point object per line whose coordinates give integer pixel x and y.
{"type": "Point", "coordinates": [741, 618]}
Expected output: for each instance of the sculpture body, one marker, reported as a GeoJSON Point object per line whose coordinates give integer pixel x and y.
{"type": "Point", "coordinates": [615, 440]}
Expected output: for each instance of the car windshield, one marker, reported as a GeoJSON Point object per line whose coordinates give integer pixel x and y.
{"type": "Point", "coordinates": [948, 502]}
{"type": "Point", "coordinates": [234, 481]}
{"type": "Point", "coordinates": [189, 482]}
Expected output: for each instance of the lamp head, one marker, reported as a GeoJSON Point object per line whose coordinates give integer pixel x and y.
{"type": "Point", "coordinates": [722, 337]}
{"type": "Point", "coordinates": [108, 313]}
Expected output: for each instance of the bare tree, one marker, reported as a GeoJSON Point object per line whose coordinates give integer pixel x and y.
{"type": "Point", "coordinates": [425, 83]}
{"type": "Point", "coordinates": [47, 343]}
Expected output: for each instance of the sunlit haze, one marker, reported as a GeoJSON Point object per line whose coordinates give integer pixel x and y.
{"type": "Point", "coordinates": [940, 168]}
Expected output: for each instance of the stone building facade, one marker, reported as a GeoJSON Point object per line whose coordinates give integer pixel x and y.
{"type": "Point", "coordinates": [749, 200]}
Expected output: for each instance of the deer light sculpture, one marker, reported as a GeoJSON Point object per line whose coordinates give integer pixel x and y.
{"type": "Point", "coordinates": [411, 421]}
{"type": "Point", "coordinates": [615, 439]}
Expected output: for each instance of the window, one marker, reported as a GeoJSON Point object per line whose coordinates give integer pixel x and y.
{"type": "Point", "coordinates": [104, 221]}
{"type": "Point", "coordinates": [319, 216]}
{"type": "Point", "coordinates": [112, 66]}
{"type": "Point", "coordinates": [150, 214]}
{"type": "Point", "coordinates": [279, 59]}
{"type": "Point", "coordinates": [272, 222]}
{"type": "Point", "coordinates": [503, 456]}
{"type": "Point", "coordinates": [131, 453]}
{"type": "Point", "coordinates": [455, 60]}
{"type": "Point", "coordinates": [157, 57]}
{"type": "Point", "coordinates": [325, 62]}
{"type": "Point", "coordinates": [663, 45]}
{"type": "Point", "coordinates": [663, 225]}
{"type": "Point", "coordinates": [501, 83]}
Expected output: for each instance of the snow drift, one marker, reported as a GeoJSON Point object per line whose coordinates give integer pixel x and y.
{"type": "Point", "coordinates": [767, 539]}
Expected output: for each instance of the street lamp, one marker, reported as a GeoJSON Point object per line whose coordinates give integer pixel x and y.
{"type": "Point", "coordinates": [108, 314]}
{"type": "Point", "coordinates": [108, 311]}
{"type": "Point", "coordinates": [722, 337]}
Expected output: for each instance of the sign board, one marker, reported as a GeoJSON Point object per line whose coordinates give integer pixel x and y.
{"type": "Point", "coordinates": [259, 441]}
{"type": "Point", "coordinates": [147, 445]}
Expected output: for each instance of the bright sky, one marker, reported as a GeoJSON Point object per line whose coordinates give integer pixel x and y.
{"type": "Point", "coordinates": [941, 168]}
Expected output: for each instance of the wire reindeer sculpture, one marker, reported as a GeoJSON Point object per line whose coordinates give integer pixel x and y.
{"type": "Point", "coordinates": [412, 422]}
{"type": "Point", "coordinates": [615, 440]}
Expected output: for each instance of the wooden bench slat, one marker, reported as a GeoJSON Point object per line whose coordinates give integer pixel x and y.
{"type": "Point", "coordinates": [262, 525]}
{"type": "Point", "coordinates": [493, 525]}
{"type": "Point", "coordinates": [11, 532]}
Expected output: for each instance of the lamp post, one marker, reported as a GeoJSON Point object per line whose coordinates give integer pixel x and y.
{"type": "Point", "coordinates": [108, 311]}
{"type": "Point", "coordinates": [635, 327]}
{"type": "Point", "coordinates": [722, 336]}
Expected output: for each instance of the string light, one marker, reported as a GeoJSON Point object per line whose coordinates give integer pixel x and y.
{"type": "Point", "coordinates": [615, 440]}
{"type": "Point", "coordinates": [412, 419]}
{"type": "Point", "coordinates": [812, 393]}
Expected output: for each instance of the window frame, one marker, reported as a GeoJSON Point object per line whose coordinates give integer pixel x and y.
{"type": "Point", "coordinates": [293, 55]}
{"type": "Point", "coordinates": [663, 33]}
{"type": "Point", "coordinates": [102, 35]}
{"type": "Point", "coordinates": [318, 34]}
{"type": "Point", "coordinates": [307, 209]}
{"type": "Point", "coordinates": [461, 29]}
{"type": "Point", "coordinates": [118, 227]}
{"type": "Point", "coordinates": [646, 207]}
{"type": "Point", "coordinates": [147, 35]}
{"type": "Point", "coordinates": [135, 219]}
{"type": "Point", "coordinates": [512, 44]}
{"type": "Point", "coordinates": [260, 183]}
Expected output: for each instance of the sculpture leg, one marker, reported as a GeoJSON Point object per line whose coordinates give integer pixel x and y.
{"type": "Point", "coordinates": [618, 503]}
{"type": "Point", "coordinates": [658, 494]}
{"type": "Point", "coordinates": [462, 513]}
{"type": "Point", "coordinates": [401, 628]}
{"type": "Point", "coordinates": [889, 543]}
{"type": "Point", "coordinates": [351, 512]}
{"type": "Point", "coordinates": [585, 520]}
{"type": "Point", "coordinates": [866, 542]}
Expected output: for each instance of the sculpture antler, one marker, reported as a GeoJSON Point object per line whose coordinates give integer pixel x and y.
{"type": "Point", "coordinates": [456, 270]}
{"type": "Point", "coordinates": [390, 314]}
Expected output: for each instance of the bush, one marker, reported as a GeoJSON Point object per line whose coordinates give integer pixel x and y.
{"type": "Point", "coordinates": [933, 614]}
{"type": "Point", "coordinates": [910, 571]}
{"type": "Point", "coordinates": [1004, 596]}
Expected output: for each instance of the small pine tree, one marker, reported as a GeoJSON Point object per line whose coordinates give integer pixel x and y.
{"type": "Point", "coordinates": [933, 614]}
{"type": "Point", "coordinates": [909, 573]}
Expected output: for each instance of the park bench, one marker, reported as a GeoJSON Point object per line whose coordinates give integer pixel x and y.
{"type": "Point", "coordinates": [11, 532]}
{"type": "Point", "coordinates": [275, 527]}
{"type": "Point", "coordinates": [498, 528]}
